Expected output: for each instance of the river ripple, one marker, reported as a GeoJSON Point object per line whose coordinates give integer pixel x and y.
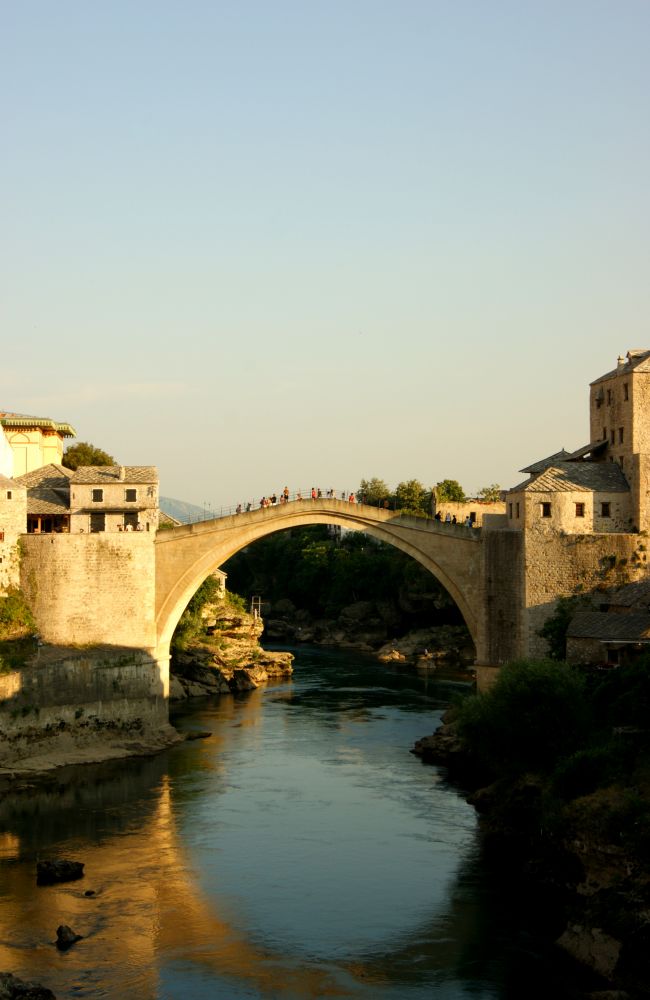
{"type": "Point", "coordinates": [300, 851]}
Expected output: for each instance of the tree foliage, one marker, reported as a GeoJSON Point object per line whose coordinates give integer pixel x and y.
{"type": "Point", "coordinates": [449, 491]}
{"type": "Point", "coordinates": [324, 574]}
{"type": "Point", "coordinates": [555, 628]}
{"type": "Point", "coordinates": [535, 714]}
{"type": "Point", "coordinates": [490, 493]}
{"type": "Point", "coordinates": [373, 491]}
{"type": "Point", "coordinates": [412, 497]}
{"type": "Point", "coordinates": [84, 453]}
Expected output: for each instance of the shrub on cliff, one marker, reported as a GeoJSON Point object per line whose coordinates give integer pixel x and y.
{"type": "Point", "coordinates": [16, 618]}
{"type": "Point", "coordinates": [535, 714]}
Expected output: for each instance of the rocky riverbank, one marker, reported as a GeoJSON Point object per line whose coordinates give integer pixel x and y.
{"type": "Point", "coordinates": [226, 657]}
{"type": "Point", "coordinates": [372, 627]}
{"type": "Point", "coordinates": [591, 892]}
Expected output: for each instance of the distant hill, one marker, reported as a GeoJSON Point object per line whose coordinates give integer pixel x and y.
{"type": "Point", "coordinates": [181, 510]}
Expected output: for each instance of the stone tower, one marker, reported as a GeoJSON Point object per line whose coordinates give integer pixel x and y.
{"type": "Point", "coordinates": [619, 414]}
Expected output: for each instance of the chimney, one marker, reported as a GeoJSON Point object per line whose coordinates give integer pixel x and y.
{"type": "Point", "coordinates": [122, 473]}
{"type": "Point", "coordinates": [620, 362]}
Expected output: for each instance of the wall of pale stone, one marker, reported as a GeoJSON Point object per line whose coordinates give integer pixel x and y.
{"type": "Point", "coordinates": [114, 504]}
{"type": "Point", "coordinates": [33, 448]}
{"type": "Point", "coordinates": [524, 511]}
{"type": "Point", "coordinates": [13, 522]}
{"type": "Point", "coordinates": [463, 510]}
{"type": "Point", "coordinates": [563, 565]}
{"type": "Point", "coordinates": [6, 456]}
{"type": "Point", "coordinates": [91, 588]}
{"type": "Point", "coordinates": [82, 693]}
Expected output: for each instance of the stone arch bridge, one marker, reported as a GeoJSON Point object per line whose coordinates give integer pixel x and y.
{"type": "Point", "coordinates": [456, 555]}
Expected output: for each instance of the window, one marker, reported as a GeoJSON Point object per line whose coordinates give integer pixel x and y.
{"type": "Point", "coordinates": [510, 505]}
{"type": "Point", "coordinates": [130, 496]}
{"type": "Point", "coordinates": [605, 509]}
{"type": "Point", "coordinates": [97, 522]}
{"type": "Point", "coordinates": [131, 521]}
{"type": "Point", "coordinates": [626, 394]}
{"type": "Point", "coordinates": [604, 433]}
{"type": "Point", "coordinates": [546, 510]}
{"type": "Point", "coordinates": [98, 497]}
{"type": "Point", "coordinates": [620, 435]}
{"type": "Point", "coordinates": [10, 495]}
{"type": "Point", "coordinates": [580, 510]}
{"type": "Point", "coordinates": [612, 436]}
{"type": "Point", "coordinates": [609, 397]}
{"type": "Point", "coordinates": [2, 536]}
{"type": "Point", "coordinates": [517, 510]}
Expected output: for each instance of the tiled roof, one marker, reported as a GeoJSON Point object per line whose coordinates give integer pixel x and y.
{"type": "Point", "coordinates": [43, 501]}
{"type": "Point", "coordinates": [637, 361]}
{"type": "Point", "coordinates": [588, 449]}
{"type": "Point", "coordinates": [6, 483]}
{"type": "Point", "coordinates": [631, 595]}
{"type": "Point", "coordinates": [577, 477]}
{"type": "Point", "coordinates": [600, 625]}
{"type": "Point", "coordinates": [544, 463]}
{"type": "Point", "coordinates": [8, 419]}
{"type": "Point", "coordinates": [102, 474]}
{"type": "Point", "coordinates": [164, 518]}
{"type": "Point", "coordinates": [48, 489]}
{"type": "Point", "coordinates": [52, 475]}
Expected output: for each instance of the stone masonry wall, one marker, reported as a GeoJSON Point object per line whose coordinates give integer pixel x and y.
{"type": "Point", "coordinates": [91, 588]}
{"type": "Point", "coordinates": [525, 512]}
{"type": "Point", "coordinates": [13, 521]}
{"type": "Point", "coordinates": [503, 595]}
{"type": "Point", "coordinates": [86, 691]}
{"type": "Point", "coordinates": [563, 565]}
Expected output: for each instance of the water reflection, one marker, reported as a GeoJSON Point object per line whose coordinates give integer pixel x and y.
{"type": "Point", "coordinates": [299, 852]}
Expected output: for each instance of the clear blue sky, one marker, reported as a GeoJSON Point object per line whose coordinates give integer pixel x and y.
{"type": "Point", "coordinates": [285, 242]}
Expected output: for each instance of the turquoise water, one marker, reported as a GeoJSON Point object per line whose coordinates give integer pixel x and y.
{"type": "Point", "coordinates": [299, 851]}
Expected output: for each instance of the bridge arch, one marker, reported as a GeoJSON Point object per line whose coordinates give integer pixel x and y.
{"type": "Point", "coordinates": [186, 555]}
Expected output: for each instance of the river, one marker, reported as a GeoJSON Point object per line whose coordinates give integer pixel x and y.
{"type": "Point", "coordinates": [299, 851]}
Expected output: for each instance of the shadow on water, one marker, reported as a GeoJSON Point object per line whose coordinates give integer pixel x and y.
{"type": "Point", "coordinates": [185, 906]}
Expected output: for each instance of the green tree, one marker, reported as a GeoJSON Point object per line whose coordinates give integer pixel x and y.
{"type": "Point", "coordinates": [490, 493]}
{"type": "Point", "coordinates": [84, 453]}
{"type": "Point", "coordinates": [373, 491]}
{"type": "Point", "coordinates": [449, 491]}
{"type": "Point", "coordinates": [413, 497]}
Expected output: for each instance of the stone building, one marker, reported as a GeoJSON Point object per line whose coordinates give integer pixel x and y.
{"type": "Point", "coordinates": [114, 498]}
{"type": "Point", "coordinates": [13, 515]}
{"type": "Point", "coordinates": [48, 499]}
{"type": "Point", "coordinates": [580, 514]}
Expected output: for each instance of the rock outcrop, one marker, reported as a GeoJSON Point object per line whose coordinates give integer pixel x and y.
{"type": "Point", "coordinates": [227, 658]}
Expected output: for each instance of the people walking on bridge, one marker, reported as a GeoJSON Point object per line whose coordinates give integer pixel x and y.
{"type": "Point", "coordinates": [454, 520]}
{"type": "Point", "coordinates": [320, 493]}
{"type": "Point", "coordinates": [438, 516]}
{"type": "Point", "coordinates": [274, 500]}
{"type": "Point", "coordinates": [238, 509]}
{"type": "Point", "coordinates": [447, 518]}
{"type": "Point", "coordinates": [313, 493]}
{"type": "Point", "coordinates": [298, 495]}
{"type": "Point", "coordinates": [351, 498]}
{"type": "Point", "coordinates": [342, 494]}
{"type": "Point", "coordinates": [248, 507]}
{"type": "Point", "coordinates": [285, 494]}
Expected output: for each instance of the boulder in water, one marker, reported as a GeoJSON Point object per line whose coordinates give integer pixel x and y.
{"type": "Point", "coordinates": [49, 872]}
{"type": "Point", "coordinates": [12, 988]}
{"type": "Point", "coordinates": [66, 937]}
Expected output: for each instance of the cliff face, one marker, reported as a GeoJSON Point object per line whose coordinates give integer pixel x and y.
{"type": "Point", "coordinates": [226, 655]}
{"type": "Point", "coordinates": [592, 878]}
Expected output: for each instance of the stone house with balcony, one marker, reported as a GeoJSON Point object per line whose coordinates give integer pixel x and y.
{"type": "Point", "coordinates": [114, 498]}
{"type": "Point", "coordinates": [48, 499]}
